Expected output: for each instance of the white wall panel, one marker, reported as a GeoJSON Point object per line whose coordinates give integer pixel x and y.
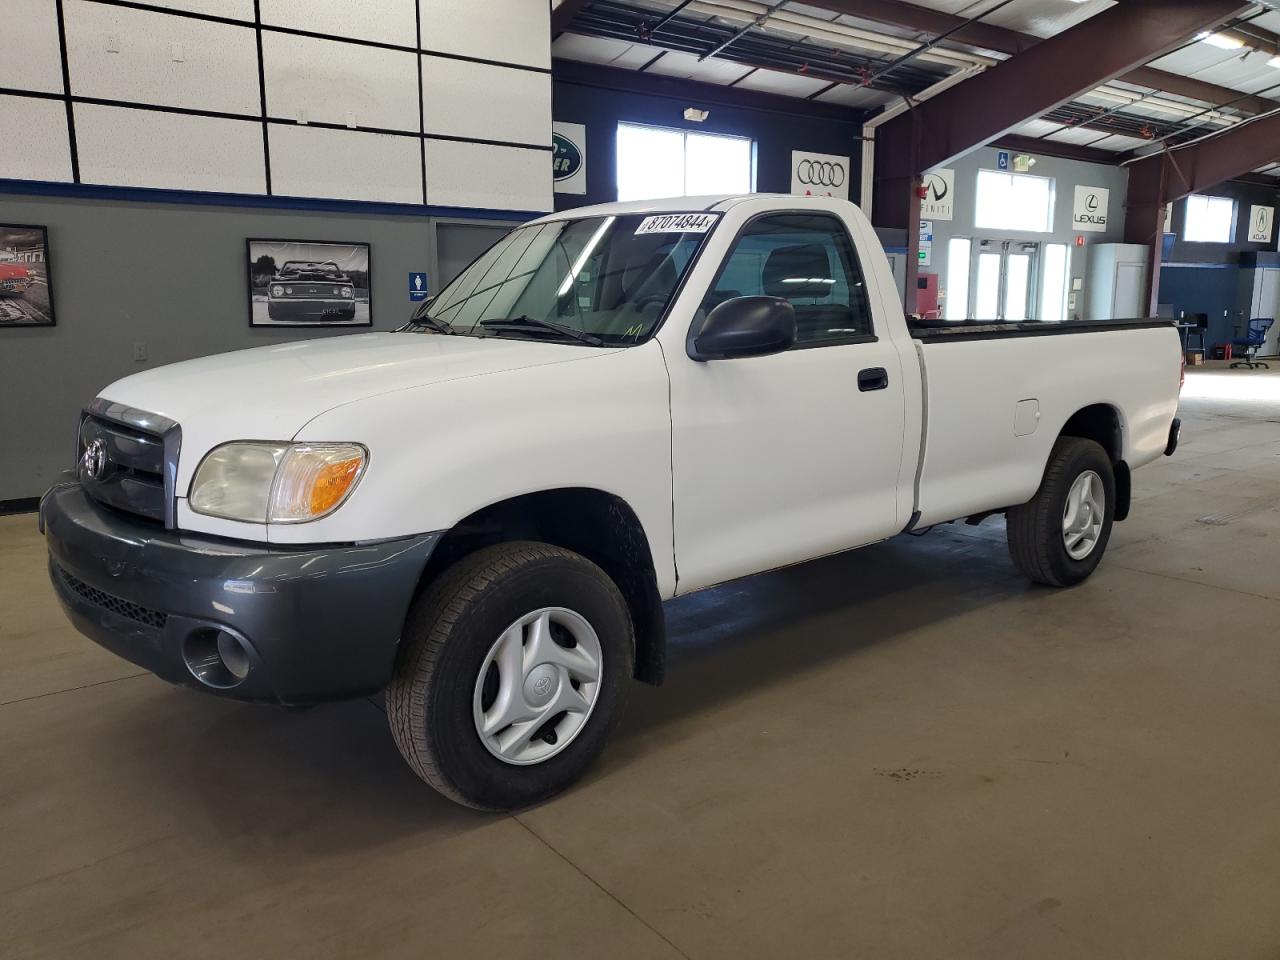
{"type": "Point", "coordinates": [334, 82]}
{"type": "Point", "coordinates": [510, 31]}
{"type": "Point", "coordinates": [476, 100]}
{"type": "Point", "coordinates": [345, 164]}
{"type": "Point", "coordinates": [479, 175]}
{"type": "Point", "coordinates": [218, 70]}
{"type": "Point", "coordinates": [387, 21]}
{"type": "Point", "coordinates": [43, 151]}
{"type": "Point", "coordinates": [29, 57]}
{"type": "Point", "coordinates": [230, 9]}
{"type": "Point", "coordinates": [147, 148]}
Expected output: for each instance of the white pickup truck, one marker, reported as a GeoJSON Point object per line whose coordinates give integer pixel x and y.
{"type": "Point", "coordinates": [483, 512]}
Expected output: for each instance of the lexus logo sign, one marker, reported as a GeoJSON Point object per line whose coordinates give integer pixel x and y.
{"type": "Point", "coordinates": [819, 175]}
{"type": "Point", "coordinates": [1089, 211]}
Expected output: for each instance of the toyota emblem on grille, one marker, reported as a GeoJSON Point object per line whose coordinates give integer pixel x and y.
{"type": "Point", "coordinates": [94, 460]}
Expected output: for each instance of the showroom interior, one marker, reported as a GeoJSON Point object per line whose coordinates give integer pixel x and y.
{"type": "Point", "coordinates": [905, 750]}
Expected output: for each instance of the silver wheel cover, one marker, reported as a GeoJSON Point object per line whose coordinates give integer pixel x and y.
{"type": "Point", "coordinates": [548, 667]}
{"type": "Point", "coordinates": [1082, 515]}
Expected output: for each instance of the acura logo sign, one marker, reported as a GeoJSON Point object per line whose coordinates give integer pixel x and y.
{"type": "Point", "coordinates": [820, 173]}
{"type": "Point", "coordinates": [93, 462]}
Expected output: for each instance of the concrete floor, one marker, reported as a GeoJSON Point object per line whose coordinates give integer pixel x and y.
{"type": "Point", "coordinates": [904, 752]}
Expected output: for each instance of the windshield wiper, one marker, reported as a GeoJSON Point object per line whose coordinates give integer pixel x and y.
{"type": "Point", "coordinates": [433, 323]}
{"type": "Point", "coordinates": [527, 323]}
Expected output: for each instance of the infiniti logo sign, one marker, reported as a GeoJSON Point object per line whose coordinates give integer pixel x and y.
{"type": "Point", "coordinates": [93, 462]}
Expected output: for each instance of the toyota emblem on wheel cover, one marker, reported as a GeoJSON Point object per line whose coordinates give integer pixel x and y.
{"type": "Point", "coordinates": [94, 460]}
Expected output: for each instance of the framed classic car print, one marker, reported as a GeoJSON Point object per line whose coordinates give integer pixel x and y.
{"type": "Point", "coordinates": [26, 290]}
{"type": "Point", "coordinates": [306, 283]}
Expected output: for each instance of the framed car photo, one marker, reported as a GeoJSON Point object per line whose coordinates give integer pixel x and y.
{"type": "Point", "coordinates": [307, 283]}
{"type": "Point", "coordinates": [26, 289]}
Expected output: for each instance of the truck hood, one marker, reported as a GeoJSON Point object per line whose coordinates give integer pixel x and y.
{"type": "Point", "coordinates": [270, 393]}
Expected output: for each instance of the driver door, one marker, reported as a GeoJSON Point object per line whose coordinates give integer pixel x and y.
{"type": "Point", "coordinates": [781, 458]}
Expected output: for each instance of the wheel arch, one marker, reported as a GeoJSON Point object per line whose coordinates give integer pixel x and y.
{"type": "Point", "coordinates": [599, 525]}
{"type": "Point", "coordinates": [1104, 424]}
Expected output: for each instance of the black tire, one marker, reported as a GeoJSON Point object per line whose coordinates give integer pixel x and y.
{"type": "Point", "coordinates": [1034, 529]}
{"type": "Point", "coordinates": [448, 634]}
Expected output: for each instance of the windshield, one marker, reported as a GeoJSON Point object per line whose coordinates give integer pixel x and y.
{"type": "Point", "coordinates": [297, 268]}
{"type": "Point", "coordinates": [609, 278]}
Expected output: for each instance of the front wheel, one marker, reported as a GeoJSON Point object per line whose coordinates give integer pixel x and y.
{"type": "Point", "coordinates": [512, 672]}
{"type": "Point", "coordinates": [1058, 537]}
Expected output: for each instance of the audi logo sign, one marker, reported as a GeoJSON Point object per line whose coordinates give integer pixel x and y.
{"type": "Point", "coordinates": [819, 175]}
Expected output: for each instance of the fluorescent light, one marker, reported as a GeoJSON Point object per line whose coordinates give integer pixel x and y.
{"type": "Point", "coordinates": [1274, 62]}
{"type": "Point", "coordinates": [584, 256]}
{"type": "Point", "coordinates": [1220, 40]}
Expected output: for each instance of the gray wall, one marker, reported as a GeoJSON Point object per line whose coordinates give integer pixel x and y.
{"type": "Point", "coordinates": [1067, 174]}
{"type": "Point", "coordinates": [172, 276]}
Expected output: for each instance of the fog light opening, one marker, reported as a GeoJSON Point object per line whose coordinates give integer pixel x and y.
{"type": "Point", "coordinates": [217, 658]}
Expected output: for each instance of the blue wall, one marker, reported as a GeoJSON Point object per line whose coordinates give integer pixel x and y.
{"type": "Point", "coordinates": [598, 98]}
{"type": "Point", "coordinates": [1205, 277]}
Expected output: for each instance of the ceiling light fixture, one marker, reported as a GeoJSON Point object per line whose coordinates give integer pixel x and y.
{"type": "Point", "coordinates": [1220, 40]}
{"type": "Point", "coordinates": [695, 115]}
{"type": "Point", "coordinates": [1274, 62]}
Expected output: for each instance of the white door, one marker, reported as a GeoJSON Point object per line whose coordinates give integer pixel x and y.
{"type": "Point", "coordinates": [1268, 305]}
{"type": "Point", "coordinates": [781, 458]}
{"type": "Point", "coordinates": [1003, 274]}
{"type": "Point", "coordinates": [1128, 300]}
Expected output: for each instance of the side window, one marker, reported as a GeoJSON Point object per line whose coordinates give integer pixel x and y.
{"type": "Point", "coordinates": [805, 258]}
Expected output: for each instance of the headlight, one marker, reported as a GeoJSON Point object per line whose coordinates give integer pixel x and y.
{"type": "Point", "coordinates": [288, 290]}
{"type": "Point", "coordinates": [346, 291]}
{"type": "Point", "coordinates": [277, 291]}
{"type": "Point", "coordinates": [276, 482]}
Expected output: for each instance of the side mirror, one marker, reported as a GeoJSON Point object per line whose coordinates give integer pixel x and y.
{"type": "Point", "coordinates": [745, 327]}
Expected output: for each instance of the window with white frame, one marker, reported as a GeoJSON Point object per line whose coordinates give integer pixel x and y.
{"type": "Point", "coordinates": [658, 162]}
{"type": "Point", "coordinates": [956, 305]}
{"type": "Point", "coordinates": [1055, 276]}
{"type": "Point", "coordinates": [1014, 201]}
{"type": "Point", "coordinates": [1209, 219]}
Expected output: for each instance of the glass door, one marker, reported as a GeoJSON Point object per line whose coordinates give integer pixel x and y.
{"type": "Point", "coordinates": [1003, 280]}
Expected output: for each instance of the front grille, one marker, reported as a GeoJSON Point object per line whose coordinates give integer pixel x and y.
{"type": "Point", "coordinates": [118, 606]}
{"type": "Point", "coordinates": [131, 474]}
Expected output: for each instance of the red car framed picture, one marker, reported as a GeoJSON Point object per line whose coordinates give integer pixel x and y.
{"type": "Point", "coordinates": [26, 286]}
{"type": "Point", "coordinates": [304, 283]}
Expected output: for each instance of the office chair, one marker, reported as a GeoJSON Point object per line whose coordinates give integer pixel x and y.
{"type": "Point", "coordinates": [1252, 342]}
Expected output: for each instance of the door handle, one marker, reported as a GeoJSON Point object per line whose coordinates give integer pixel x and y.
{"type": "Point", "coordinates": [873, 378]}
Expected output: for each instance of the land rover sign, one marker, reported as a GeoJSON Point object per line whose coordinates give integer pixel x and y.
{"type": "Point", "coordinates": [569, 157]}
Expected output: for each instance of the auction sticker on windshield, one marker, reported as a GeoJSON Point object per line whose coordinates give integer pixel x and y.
{"type": "Point", "coordinates": [677, 223]}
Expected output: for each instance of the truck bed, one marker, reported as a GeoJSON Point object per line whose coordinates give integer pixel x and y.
{"type": "Point", "coordinates": [986, 383]}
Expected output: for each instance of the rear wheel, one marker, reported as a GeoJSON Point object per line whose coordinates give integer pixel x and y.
{"type": "Point", "coordinates": [1058, 536]}
{"type": "Point", "coordinates": [513, 669]}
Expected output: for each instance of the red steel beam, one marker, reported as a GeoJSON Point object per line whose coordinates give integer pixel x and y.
{"type": "Point", "coordinates": [1165, 177]}
{"type": "Point", "coordinates": [1002, 40]}
{"type": "Point", "coordinates": [991, 104]}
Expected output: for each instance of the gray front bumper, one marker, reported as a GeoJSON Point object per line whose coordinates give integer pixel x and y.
{"type": "Point", "coordinates": [320, 623]}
